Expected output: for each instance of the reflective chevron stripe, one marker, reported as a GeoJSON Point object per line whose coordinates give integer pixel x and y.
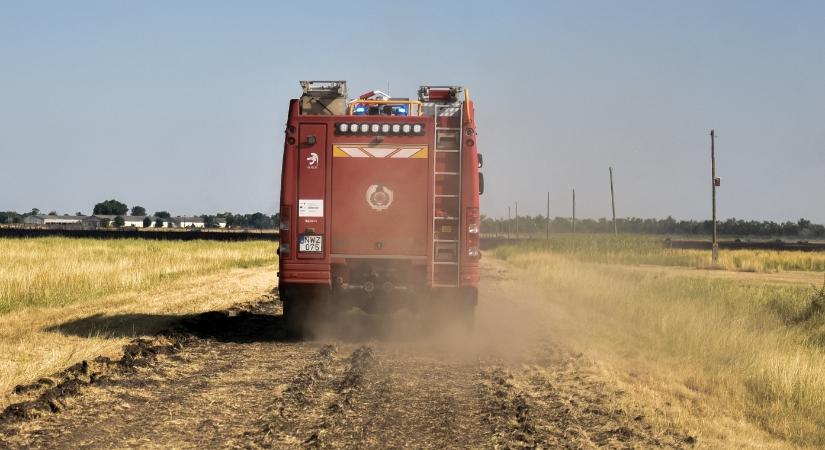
{"type": "Point", "coordinates": [348, 151]}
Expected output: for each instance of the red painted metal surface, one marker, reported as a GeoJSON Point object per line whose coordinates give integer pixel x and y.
{"type": "Point", "coordinates": [353, 220]}
{"type": "Point", "coordinates": [379, 204]}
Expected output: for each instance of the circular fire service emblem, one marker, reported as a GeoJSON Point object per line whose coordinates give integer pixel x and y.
{"type": "Point", "coordinates": [379, 197]}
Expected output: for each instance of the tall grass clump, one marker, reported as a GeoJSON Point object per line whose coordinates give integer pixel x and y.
{"type": "Point", "coordinates": [651, 250]}
{"type": "Point", "coordinates": [754, 349]}
{"type": "Point", "coordinates": [47, 272]}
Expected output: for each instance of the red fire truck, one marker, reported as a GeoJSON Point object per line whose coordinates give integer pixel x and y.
{"type": "Point", "coordinates": [379, 201]}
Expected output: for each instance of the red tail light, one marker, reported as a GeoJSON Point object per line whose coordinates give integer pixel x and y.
{"type": "Point", "coordinates": [473, 230]}
{"type": "Point", "coordinates": [284, 231]}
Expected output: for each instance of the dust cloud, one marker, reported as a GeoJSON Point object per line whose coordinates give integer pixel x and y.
{"type": "Point", "coordinates": [508, 326]}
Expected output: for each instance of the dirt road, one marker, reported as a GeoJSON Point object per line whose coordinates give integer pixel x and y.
{"type": "Point", "coordinates": [231, 380]}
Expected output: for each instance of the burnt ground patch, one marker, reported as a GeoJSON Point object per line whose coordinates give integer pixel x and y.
{"type": "Point", "coordinates": [248, 322]}
{"type": "Point", "coordinates": [50, 393]}
{"type": "Point", "coordinates": [244, 323]}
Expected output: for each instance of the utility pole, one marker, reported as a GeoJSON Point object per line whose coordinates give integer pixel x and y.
{"type": "Point", "coordinates": [714, 183]}
{"type": "Point", "coordinates": [613, 202]}
{"type": "Point", "coordinates": [516, 220]}
{"type": "Point", "coordinates": [548, 215]}
{"type": "Point", "coordinates": [574, 210]}
{"type": "Point", "coordinates": [508, 223]}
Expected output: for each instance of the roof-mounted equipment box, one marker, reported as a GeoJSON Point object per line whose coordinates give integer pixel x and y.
{"type": "Point", "coordinates": [324, 98]}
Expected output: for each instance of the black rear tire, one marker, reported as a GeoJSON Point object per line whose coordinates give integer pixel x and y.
{"type": "Point", "coordinates": [303, 306]}
{"type": "Point", "coordinates": [295, 315]}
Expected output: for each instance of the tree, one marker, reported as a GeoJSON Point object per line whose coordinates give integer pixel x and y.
{"type": "Point", "coordinates": [163, 214]}
{"type": "Point", "coordinates": [209, 221]}
{"type": "Point", "coordinates": [52, 213]}
{"type": "Point", "coordinates": [34, 212]}
{"type": "Point", "coordinates": [9, 217]}
{"type": "Point", "coordinates": [104, 223]}
{"type": "Point", "coordinates": [259, 220]}
{"type": "Point", "coordinates": [111, 207]}
{"type": "Point", "coordinates": [159, 222]}
{"type": "Point", "coordinates": [147, 222]}
{"type": "Point", "coordinates": [119, 222]}
{"type": "Point", "coordinates": [138, 211]}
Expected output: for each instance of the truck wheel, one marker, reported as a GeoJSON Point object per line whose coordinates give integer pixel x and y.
{"type": "Point", "coordinates": [294, 318]}
{"type": "Point", "coordinates": [304, 306]}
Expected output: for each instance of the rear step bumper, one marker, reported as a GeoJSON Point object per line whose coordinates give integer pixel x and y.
{"type": "Point", "coordinates": [291, 273]}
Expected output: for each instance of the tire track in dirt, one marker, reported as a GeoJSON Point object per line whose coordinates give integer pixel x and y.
{"type": "Point", "coordinates": [537, 407]}
{"type": "Point", "coordinates": [315, 401]}
{"type": "Point", "coordinates": [411, 399]}
{"type": "Point", "coordinates": [283, 419]}
{"type": "Point", "coordinates": [347, 387]}
{"type": "Point", "coordinates": [508, 412]}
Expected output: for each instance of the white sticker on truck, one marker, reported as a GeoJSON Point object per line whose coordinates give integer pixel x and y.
{"type": "Point", "coordinates": [310, 208]}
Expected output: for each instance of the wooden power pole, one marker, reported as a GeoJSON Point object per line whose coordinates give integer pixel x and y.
{"type": "Point", "coordinates": [548, 215]}
{"type": "Point", "coordinates": [613, 202]}
{"type": "Point", "coordinates": [508, 223]}
{"type": "Point", "coordinates": [714, 183]}
{"type": "Point", "coordinates": [516, 220]}
{"type": "Point", "coordinates": [574, 210]}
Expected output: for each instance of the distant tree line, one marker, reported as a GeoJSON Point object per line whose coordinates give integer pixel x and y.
{"type": "Point", "coordinates": [119, 209]}
{"type": "Point", "coordinates": [802, 228]}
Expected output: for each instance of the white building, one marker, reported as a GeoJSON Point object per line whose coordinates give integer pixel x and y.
{"type": "Point", "coordinates": [128, 221]}
{"type": "Point", "coordinates": [194, 222]}
{"type": "Point", "coordinates": [45, 219]}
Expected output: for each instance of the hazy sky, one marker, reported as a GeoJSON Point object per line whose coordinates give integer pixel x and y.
{"type": "Point", "coordinates": [180, 105]}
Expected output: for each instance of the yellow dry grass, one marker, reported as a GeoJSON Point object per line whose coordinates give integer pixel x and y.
{"type": "Point", "coordinates": [713, 354]}
{"type": "Point", "coordinates": [60, 271]}
{"type": "Point", "coordinates": [651, 250]}
{"type": "Point", "coordinates": [141, 287]}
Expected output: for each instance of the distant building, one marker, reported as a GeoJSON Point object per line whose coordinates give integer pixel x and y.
{"type": "Point", "coordinates": [128, 221]}
{"type": "Point", "coordinates": [44, 219]}
{"type": "Point", "coordinates": [90, 222]}
{"type": "Point", "coordinates": [164, 222]}
{"type": "Point", "coordinates": [194, 222]}
{"type": "Point", "coordinates": [63, 221]}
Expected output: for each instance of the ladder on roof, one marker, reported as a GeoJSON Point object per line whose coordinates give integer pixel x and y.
{"type": "Point", "coordinates": [447, 155]}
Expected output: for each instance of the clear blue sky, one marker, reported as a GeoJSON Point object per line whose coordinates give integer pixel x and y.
{"type": "Point", "coordinates": [180, 106]}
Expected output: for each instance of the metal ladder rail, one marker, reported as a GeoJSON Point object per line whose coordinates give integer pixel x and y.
{"type": "Point", "coordinates": [455, 106]}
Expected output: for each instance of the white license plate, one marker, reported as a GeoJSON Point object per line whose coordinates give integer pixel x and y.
{"type": "Point", "coordinates": [310, 244]}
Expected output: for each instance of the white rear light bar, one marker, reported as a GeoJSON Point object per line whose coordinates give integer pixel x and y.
{"type": "Point", "coordinates": [345, 128]}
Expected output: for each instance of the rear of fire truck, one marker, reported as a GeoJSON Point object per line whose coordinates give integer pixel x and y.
{"type": "Point", "coordinates": [379, 202]}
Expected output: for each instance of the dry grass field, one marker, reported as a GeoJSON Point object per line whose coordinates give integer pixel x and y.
{"type": "Point", "coordinates": [715, 351]}
{"type": "Point", "coordinates": [58, 271]}
{"type": "Point", "coordinates": [110, 291]}
{"type": "Point", "coordinates": [648, 250]}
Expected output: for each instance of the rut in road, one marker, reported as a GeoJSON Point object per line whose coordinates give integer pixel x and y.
{"type": "Point", "coordinates": [234, 381]}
